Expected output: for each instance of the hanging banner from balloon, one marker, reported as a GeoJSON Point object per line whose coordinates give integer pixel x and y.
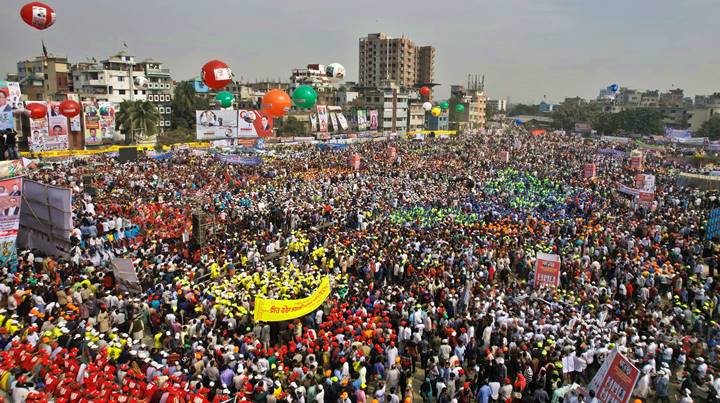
{"type": "Point", "coordinates": [313, 122]}
{"type": "Point", "coordinates": [343, 122]}
{"type": "Point", "coordinates": [216, 74]}
{"type": "Point", "coordinates": [322, 118]}
{"type": "Point", "coordinates": [10, 101]}
{"type": "Point", "coordinates": [58, 128]}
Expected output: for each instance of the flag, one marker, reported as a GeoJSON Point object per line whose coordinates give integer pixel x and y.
{"type": "Point", "coordinates": [45, 52]}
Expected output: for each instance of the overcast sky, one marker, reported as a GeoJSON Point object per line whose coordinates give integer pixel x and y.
{"type": "Point", "coordinates": [525, 48]}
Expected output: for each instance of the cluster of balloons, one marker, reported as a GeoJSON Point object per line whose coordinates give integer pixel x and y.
{"type": "Point", "coordinates": [613, 91]}
{"type": "Point", "coordinates": [38, 15]}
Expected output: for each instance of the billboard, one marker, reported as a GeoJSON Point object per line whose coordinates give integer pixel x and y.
{"type": "Point", "coordinates": [362, 120]}
{"type": "Point", "coordinates": [38, 130]}
{"type": "Point", "coordinates": [254, 124]}
{"type": "Point", "coordinates": [10, 100]}
{"type": "Point", "coordinates": [200, 87]}
{"type": "Point", "coordinates": [91, 116]}
{"type": "Point", "coordinates": [57, 128]}
{"type": "Point", "coordinates": [615, 380]}
{"type": "Point", "coordinates": [10, 202]}
{"type": "Point", "coordinates": [343, 122]}
{"type": "Point", "coordinates": [547, 270]}
{"type": "Point", "coordinates": [322, 118]}
{"type": "Point", "coordinates": [45, 218]}
{"type": "Point", "coordinates": [373, 115]}
{"type": "Point", "coordinates": [216, 125]}
{"type": "Point", "coordinates": [107, 119]}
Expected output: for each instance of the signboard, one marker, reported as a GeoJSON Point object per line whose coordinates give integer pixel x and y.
{"type": "Point", "coordinates": [538, 132]}
{"type": "Point", "coordinates": [645, 199]}
{"type": "Point", "coordinates": [391, 153]}
{"type": "Point", "coordinates": [253, 123]}
{"type": "Point", "coordinates": [10, 101]}
{"type": "Point", "coordinates": [10, 202]}
{"type": "Point", "coordinates": [374, 123]}
{"type": "Point", "coordinates": [589, 171]}
{"type": "Point", "coordinates": [583, 127]}
{"type": "Point", "coordinates": [615, 381]}
{"type": "Point", "coordinates": [91, 115]}
{"type": "Point", "coordinates": [343, 122]}
{"type": "Point", "coordinates": [57, 138]}
{"type": "Point", "coordinates": [313, 122]}
{"type": "Point", "coordinates": [712, 229]}
{"type": "Point", "coordinates": [334, 121]}
{"type": "Point", "coordinates": [38, 130]}
{"type": "Point", "coordinates": [46, 218]}
{"type": "Point", "coordinates": [239, 159]}
{"type": "Point", "coordinates": [200, 87]}
{"type": "Point", "coordinates": [274, 310]}
{"type": "Point", "coordinates": [361, 120]}
{"type": "Point", "coordinates": [504, 156]}
{"type": "Point", "coordinates": [649, 183]}
{"type": "Point", "coordinates": [639, 181]}
{"type": "Point", "coordinates": [126, 275]}
{"type": "Point", "coordinates": [216, 124]}
{"type": "Point", "coordinates": [547, 270]}
{"type": "Point", "coordinates": [355, 162]}
{"type": "Point", "coordinates": [322, 118]}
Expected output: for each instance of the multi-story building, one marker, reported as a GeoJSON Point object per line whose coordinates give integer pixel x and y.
{"type": "Point", "coordinates": [497, 105]}
{"type": "Point", "coordinates": [650, 99]}
{"type": "Point", "coordinates": [159, 90]}
{"type": "Point", "coordinates": [400, 60]}
{"type": "Point", "coordinates": [44, 78]}
{"type": "Point", "coordinates": [391, 102]}
{"type": "Point", "coordinates": [441, 122]}
{"type": "Point", "coordinates": [631, 98]}
{"type": "Point", "coordinates": [701, 113]}
{"type": "Point", "coordinates": [109, 80]}
{"type": "Point", "coordinates": [474, 102]}
{"type": "Point", "coordinates": [673, 98]}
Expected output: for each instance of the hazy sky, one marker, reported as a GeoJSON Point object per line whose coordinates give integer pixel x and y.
{"type": "Point", "coordinates": [525, 48]}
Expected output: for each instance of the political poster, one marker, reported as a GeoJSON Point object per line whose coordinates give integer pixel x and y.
{"type": "Point", "coordinates": [253, 123]}
{"type": "Point", "coordinates": [9, 169]}
{"type": "Point", "coordinates": [362, 120]}
{"type": "Point", "coordinates": [645, 199]}
{"type": "Point", "coordinates": [636, 160]}
{"type": "Point", "coordinates": [615, 381]}
{"type": "Point", "coordinates": [200, 87]}
{"type": "Point", "coordinates": [107, 119]}
{"type": "Point", "coordinates": [10, 101]}
{"type": "Point", "coordinates": [57, 128]}
{"type": "Point", "coordinates": [91, 116]}
{"type": "Point", "coordinates": [547, 270]}
{"type": "Point", "coordinates": [343, 122]}
{"type": "Point", "coordinates": [10, 202]}
{"type": "Point", "coordinates": [589, 171]}
{"type": "Point", "coordinates": [354, 162]}
{"type": "Point", "coordinates": [322, 118]}
{"type": "Point", "coordinates": [374, 123]}
{"type": "Point", "coordinates": [712, 229]}
{"type": "Point", "coordinates": [334, 121]}
{"type": "Point", "coordinates": [275, 310]}
{"type": "Point", "coordinates": [216, 124]}
{"type": "Point", "coordinates": [313, 122]}
{"type": "Point", "coordinates": [239, 159]}
{"type": "Point", "coordinates": [649, 183]}
{"type": "Point", "coordinates": [39, 131]}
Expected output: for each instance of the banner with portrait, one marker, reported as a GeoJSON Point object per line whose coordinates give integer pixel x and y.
{"type": "Point", "coordinates": [216, 124]}
{"type": "Point", "coordinates": [615, 380]}
{"type": "Point", "coordinates": [275, 310]}
{"type": "Point", "coordinates": [107, 119]}
{"type": "Point", "coordinates": [374, 123]}
{"type": "Point", "coordinates": [362, 120]}
{"type": "Point", "coordinates": [313, 122]}
{"type": "Point", "coordinates": [57, 128]}
{"type": "Point", "coordinates": [547, 270]}
{"type": "Point", "coordinates": [38, 131]}
{"type": "Point", "coordinates": [10, 102]}
{"type": "Point", "coordinates": [343, 122]}
{"type": "Point", "coordinates": [253, 123]}
{"type": "Point", "coordinates": [91, 117]}
{"type": "Point", "coordinates": [334, 121]}
{"type": "Point", "coordinates": [322, 118]}
{"type": "Point", "coordinates": [10, 202]}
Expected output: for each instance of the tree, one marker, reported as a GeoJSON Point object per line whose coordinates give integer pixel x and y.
{"type": "Point", "coordinates": [711, 128]}
{"type": "Point", "coordinates": [292, 126]}
{"type": "Point", "coordinates": [632, 121]}
{"type": "Point", "coordinates": [567, 114]}
{"type": "Point", "coordinates": [184, 104]}
{"type": "Point", "coordinates": [522, 109]}
{"type": "Point", "coordinates": [137, 119]}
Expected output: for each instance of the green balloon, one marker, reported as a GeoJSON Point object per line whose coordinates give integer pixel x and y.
{"type": "Point", "coordinates": [304, 96]}
{"type": "Point", "coordinates": [460, 108]}
{"type": "Point", "coordinates": [225, 98]}
{"type": "Point", "coordinates": [444, 105]}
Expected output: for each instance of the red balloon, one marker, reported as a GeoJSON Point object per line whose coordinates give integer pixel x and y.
{"type": "Point", "coordinates": [276, 103]}
{"type": "Point", "coordinates": [216, 74]}
{"type": "Point", "coordinates": [69, 108]}
{"type": "Point", "coordinates": [38, 15]}
{"type": "Point", "coordinates": [37, 110]}
{"type": "Point", "coordinates": [425, 91]}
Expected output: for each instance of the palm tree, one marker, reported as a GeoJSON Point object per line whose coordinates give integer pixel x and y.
{"type": "Point", "coordinates": [184, 104]}
{"type": "Point", "coordinates": [138, 117]}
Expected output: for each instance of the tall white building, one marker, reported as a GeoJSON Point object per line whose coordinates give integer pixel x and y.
{"type": "Point", "coordinates": [109, 80]}
{"type": "Point", "coordinates": [499, 105]}
{"type": "Point", "coordinates": [385, 100]}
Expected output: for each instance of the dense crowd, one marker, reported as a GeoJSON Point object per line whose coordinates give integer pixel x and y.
{"type": "Point", "coordinates": [431, 257]}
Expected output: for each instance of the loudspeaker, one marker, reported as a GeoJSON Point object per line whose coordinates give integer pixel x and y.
{"type": "Point", "coordinates": [198, 228]}
{"type": "Point", "coordinates": [128, 154]}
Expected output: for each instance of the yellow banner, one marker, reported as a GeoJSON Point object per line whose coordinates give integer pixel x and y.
{"type": "Point", "coordinates": [275, 310]}
{"type": "Point", "coordinates": [111, 149]}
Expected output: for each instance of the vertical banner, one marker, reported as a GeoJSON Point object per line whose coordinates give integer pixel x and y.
{"type": "Point", "coordinates": [10, 100]}
{"type": "Point", "coordinates": [343, 122]}
{"type": "Point", "coordinates": [504, 156]}
{"type": "Point", "coordinates": [361, 120]}
{"type": "Point", "coordinates": [313, 122]}
{"type": "Point", "coordinates": [374, 124]}
{"type": "Point", "coordinates": [10, 201]}
{"type": "Point", "coordinates": [91, 115]}
{"type": "Point", "coordinates": [636, 160]}
{"type": "Point", "coordinates": [547, 270]}
{"type": "Point", "coordinates": [107, 119]}
{"type": "Point", "coordinates": [639, 181]}
{"type": "Point", "coordinates": [615, 380]}
{"type": "Point", "coordinates": [589, 171]}
{"type": "Point", "coordinates": [334, 121]}
{"type": "Point", "coordinates": [39, 131]}
{"type": "Point", "coordinates": [354, 162]}
{"type": "Point", "coordinates": [58, 128]}
{"type": "Point", "coordinates": [649, 183]}
{"type": "Point", "coordinates": [712, 229]}
{"type": "Point", "coordinates": [322, 118]}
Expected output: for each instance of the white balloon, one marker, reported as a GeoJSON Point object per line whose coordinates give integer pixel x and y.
{"type": "Point", "coordinates": [427, 106]}
{"type": "Point", "coordinates": [335, 71]}
{"type": "Point", "coordinates": [141, 81]}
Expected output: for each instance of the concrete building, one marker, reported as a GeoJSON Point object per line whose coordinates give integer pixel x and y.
{"type": "Point", "coordinates": [497, 105]}
{"type": "Point", "coordinates": [673, 98]}
{"type": "Point", "coordinates": [441, 122]}
{"type": "Point", "coordinates": [702, 113]}
{"type": "Point", "coordinates": [159, 90]}
{"type": "Point", "coordinates": [392, 105]}
{"type": "Point", "coordinates": [44, 79]}
{"type": "Point", "coordinates": [650, 99]}
{"type": "Point", "coordinates": [109, 80]}
{"type": "Point", "coordinates": [474, 101]}
{"type": "Point", "coordinates": [382, 58]}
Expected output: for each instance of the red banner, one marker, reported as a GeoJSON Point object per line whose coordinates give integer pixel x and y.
{"type": "Point", "coordinates": [636, 163]}
{"type": "Point", "coordinates": [355, 162]}
{"type": "Point", "coordinates": [619, 381]}
{"type": "Point", "coordinates": [504, 156]}
{"type": "Point", "coordinates": [589, 171]}
{"type": "Point", "coordinates": [645, 199]}
{"type": "Point", "coordinates": [547, 270]}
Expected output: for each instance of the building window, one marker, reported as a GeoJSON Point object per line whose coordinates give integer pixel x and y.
{"type": "Point", "coordinates": [167, 123]}
{"type": "Point", "coordinates": [162, 123]}
{"type": "Point", "coordinates": [121, 78]}
{"type": "Point", "coordinates": [161, 109]}
{"type": "Point", "coordinates": [168, 110]}
{"type": "Point", "coordinates": [121, 92]}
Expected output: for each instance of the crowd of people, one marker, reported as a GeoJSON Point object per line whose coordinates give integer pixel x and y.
{"type": "Point", "coordinates": [431, 256]}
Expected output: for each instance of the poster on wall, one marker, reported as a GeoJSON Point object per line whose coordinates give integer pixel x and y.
{"type": "Point", "coordinates": [91, 115]}
{"type": "Point", "coordinates": [253, 123]}
{"type": "Point", "coordinates": [343, 122]}
{"type": "Point", "coordinates": [107, 119]}
{"type": "Point", "coordinates": [58, 128]}
{"type": "Point", "coordinates": [216, 124]}
{"type": "Point", "coordinates": [373, 119]}
{"type": "Point", "coordinates": [38, 131]}
{"type": "Point", "coordinates": [10, 101]}
{"type": "Point", "coordinates": [334, 121]}
{"type": "Point", "coordinates": [362, 120]}
{"type": "Point", "coordinates": [322, 118]}
{"type": "Point", "coordinates": [10, 202]}
{"type": "Point", "coordinates": [313, 122]}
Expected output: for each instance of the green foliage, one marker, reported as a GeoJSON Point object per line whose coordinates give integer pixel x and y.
{"type": "Point", "coordinates": [291, 126]}
{"type": "Point", "coordinates": [184, 104]}
{"type": "Point", "coordinates": [640, 121]}
{"type": "Point", "coordinates": [138, 119]}
{"type": "Point", "coordinates": [566, 116]}
{"type": "Point", "coordinates": [522, 109]}
{"type": "Point", "coordinates": [175, 136]}
{"type": "Point", "coordinates": [711, 128]}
